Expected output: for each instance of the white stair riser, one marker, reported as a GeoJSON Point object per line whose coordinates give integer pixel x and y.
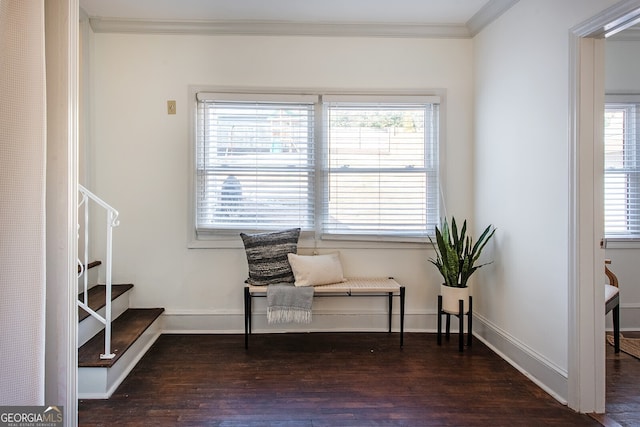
{"type": "Point", "coordinates": [92, 278]}
{"type": "Point", "coordinates": [91, 326]}
{"type": "Point", "coordinates": [100, 383]}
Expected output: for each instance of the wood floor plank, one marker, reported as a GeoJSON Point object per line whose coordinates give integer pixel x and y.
{"type": "Point", "coordinates": [622, 391]}
{"type": "Point", "coordinates": [325, 379]}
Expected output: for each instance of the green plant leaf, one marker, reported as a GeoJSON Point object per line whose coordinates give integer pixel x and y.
{"type": "Point", "coordinates": [456, 253]}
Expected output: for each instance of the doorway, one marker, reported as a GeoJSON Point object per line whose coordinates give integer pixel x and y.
{"type": "Point", "coordinates": [586, 325]}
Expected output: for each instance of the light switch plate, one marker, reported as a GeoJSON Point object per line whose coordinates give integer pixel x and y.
{"type": "Point", "coordinates": [171, 107]}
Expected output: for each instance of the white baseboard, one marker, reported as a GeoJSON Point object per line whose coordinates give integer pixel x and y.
{"type": "Point", "coordinates": [232, 322]}
{"type": "Point", "coordinates": [534, 366]}
{"type": "Point", "coordinates": [629, 318]}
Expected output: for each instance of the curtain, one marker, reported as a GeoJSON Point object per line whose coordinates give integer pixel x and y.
{"type": "Point", "coordinates": [22, 202]}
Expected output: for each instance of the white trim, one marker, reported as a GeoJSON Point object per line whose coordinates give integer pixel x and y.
{"type": "Point", "coordinates": [61, 20]}
{"type": "Point", "coordinates": [621, 243]}
{"type": "Point", "coordinates": [627, 20]}
{"type": "Point", "coordinates": [489, 13]}
{"type": "Point", "coordinates": [630, 315]}
{"type": "Point", "coordinates": [585, 352]}
{"type": "Point", "coordinates": [615, 17]}
{"type": "Point", "coordinates": [381, 99]}
{"type": "Point", "coordinates": [424, 93]}
{"type": "Point", "coordinates": [276, 28]}
{"type": "Point", "coordinates": [613, 98]}
{"type": "Point", "coordinates": [229, 239]}
{"type": "Point", "coordinates": [324, 320]}
{"type": "Point", "coordinates": [73, 22]}
{"type": "Point", "coordinates": [573, 346]}
{"type": "Point", "coordinates": [486, 15]}
{"type": "Point", "coordinates": [630, 34]}
{"type": "Point", "coordinates": [256, 97]}
{"type": "Point", "coordinates": [586, 368]}
{"type": "Point", "coordinates": [548, 376]}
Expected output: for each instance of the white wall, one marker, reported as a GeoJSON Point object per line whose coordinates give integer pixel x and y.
{"type": "Point", "coordinates": [23, 222]}
{"type": "Point", "coordinates": [521, 182]}
{"type": "Point", "coordinates": [622, 75]}
{"type": "Point", "coordinates": [139, 159]}
{"type": "Point", "coordinates": [622, 67]}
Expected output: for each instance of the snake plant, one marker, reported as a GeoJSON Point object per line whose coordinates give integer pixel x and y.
{"type": "Point", "coordinates": [457, 254]}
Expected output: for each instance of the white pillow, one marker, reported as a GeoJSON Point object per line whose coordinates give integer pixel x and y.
{"type": "Point", "coordinates": [313, 270]}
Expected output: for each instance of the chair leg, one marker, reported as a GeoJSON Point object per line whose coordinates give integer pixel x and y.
{"type": "Point", "coordinates": [616, 328]}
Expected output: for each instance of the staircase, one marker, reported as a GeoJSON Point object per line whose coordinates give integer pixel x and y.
{"type": "Point", "coordinates": [112, 337]}
{"type": "Point", "coordinates": [133, 331]}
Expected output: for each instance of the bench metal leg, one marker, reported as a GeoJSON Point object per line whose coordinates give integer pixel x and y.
{"type": "Point", "coordinates": [402, 294]}
{"type": "Point", "coordinates": [390, 309]}
{"type": "Point", "coordinates": [247, 317]}
{"type": "Point", "coordinates": [247, 314]}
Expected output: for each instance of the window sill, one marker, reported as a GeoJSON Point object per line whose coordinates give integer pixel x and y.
{"type": "Point", "coordinates": [622, 243]}
{"type": "Point", "coordinates": [308, 244]}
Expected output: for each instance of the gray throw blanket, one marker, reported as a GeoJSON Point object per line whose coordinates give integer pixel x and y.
{"type": "Point", "coordinates": [287, 303]}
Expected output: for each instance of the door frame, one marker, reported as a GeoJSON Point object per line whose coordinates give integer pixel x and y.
{"type": "Point", "coordinates": [586, 351]}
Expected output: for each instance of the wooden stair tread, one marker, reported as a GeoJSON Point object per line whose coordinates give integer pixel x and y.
{"type": "Point", "coordinates": [125, 330]}
{"type": "Point", "coordinates": [90, 266]}
{"type": "Point", "coordinates": [97, 297]}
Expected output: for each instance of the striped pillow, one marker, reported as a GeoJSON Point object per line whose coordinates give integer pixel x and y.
{"type": "Point", "coordinates": [267, 256]}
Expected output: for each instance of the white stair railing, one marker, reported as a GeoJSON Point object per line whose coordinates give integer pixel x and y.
{"type": "Point", "coordinates": [112, 221]}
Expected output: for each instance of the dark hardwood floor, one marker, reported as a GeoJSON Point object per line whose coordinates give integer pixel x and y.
{"type": "Point", "coordinates": [623, 390]}
{"type": "Point", "coordinates": [325, 379]}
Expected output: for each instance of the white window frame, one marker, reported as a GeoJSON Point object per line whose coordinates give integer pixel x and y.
{"type": "Point", "coordinates": [314, 238]}
{"type": "Point", "coordinates": [629, 103]}
{"type": "Point", "coordinates": [426, 167]}
{"type": "Point", "coordinates": [268, 201]}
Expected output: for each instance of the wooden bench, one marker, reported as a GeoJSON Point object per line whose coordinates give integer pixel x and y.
{"type": "Point", "coordinates": [352, 287]}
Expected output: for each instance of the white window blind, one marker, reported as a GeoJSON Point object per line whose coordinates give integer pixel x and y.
{"type": "Point", "coordinates": [381, 166]}
{"type": "Point", "coordinates": [622, 170]}
{"type": "Point", "coordinates": [255, 167]}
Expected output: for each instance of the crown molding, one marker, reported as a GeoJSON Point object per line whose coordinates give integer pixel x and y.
{"type": "Point", "coordinates": [610, 21]}
{"type": "Point", "coordinates": [489, 13]}
{"type": "Point", "coordinates": [629, 35]}
{"type": "Point", "coordinates": [275, 28]}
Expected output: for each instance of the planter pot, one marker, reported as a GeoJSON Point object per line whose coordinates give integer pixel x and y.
{"type": "Point", "coordinates": [451, 297]}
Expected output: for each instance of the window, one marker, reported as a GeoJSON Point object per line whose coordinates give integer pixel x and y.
{"type": "Point", "coordinates": [255, 162]}
{"type": "Point", "coordinates": [381, 167]}
{"type": "Point", "coordinates": [622, 170]}
{"type": "Point", "coordinates": [338, 166]}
